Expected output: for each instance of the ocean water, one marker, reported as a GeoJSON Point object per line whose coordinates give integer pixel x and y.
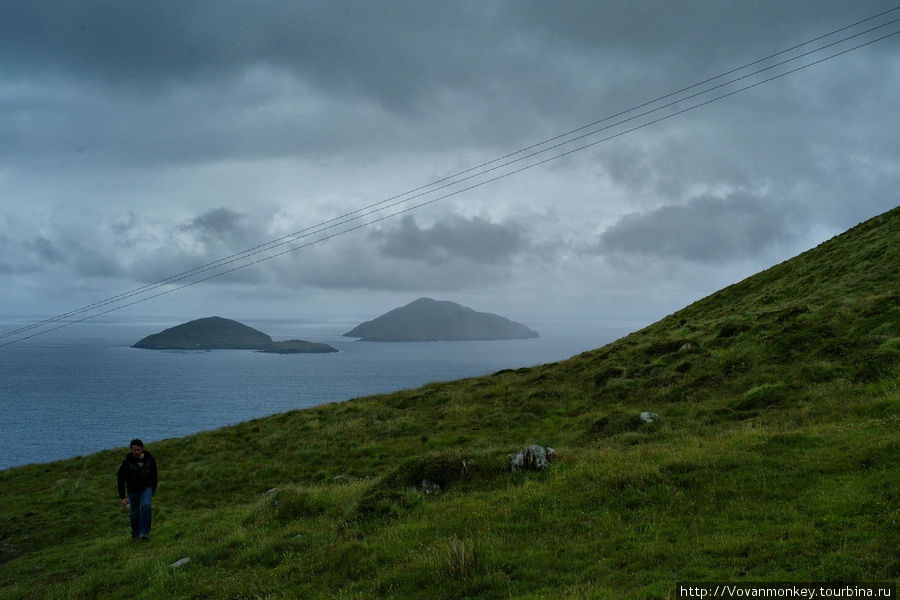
{"type": "Point", "coordinates": [83, 388]}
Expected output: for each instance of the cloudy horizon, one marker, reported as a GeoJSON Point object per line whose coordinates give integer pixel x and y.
{"type": "Point", "coordinates": [141, 140]}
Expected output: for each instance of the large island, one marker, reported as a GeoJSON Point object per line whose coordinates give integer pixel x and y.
{"type": "Point", "coordinates": [216, 333]}
{"type": "Point", "coordinates": [427, 320]}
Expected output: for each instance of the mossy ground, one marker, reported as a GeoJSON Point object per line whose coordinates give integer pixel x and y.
{"type": "Point", "coordinates": [775, 458]}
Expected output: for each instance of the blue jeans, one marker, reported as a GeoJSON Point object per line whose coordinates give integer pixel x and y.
{"type": "Point", "coordinates": [141, 513]}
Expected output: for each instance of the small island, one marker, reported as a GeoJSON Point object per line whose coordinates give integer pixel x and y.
{"type": "Point", "coordinates": [427, 320]}
{"type": "Point", "coordinates": [216, 333]}
{"type": "Point", "coordinates": [297, 347]}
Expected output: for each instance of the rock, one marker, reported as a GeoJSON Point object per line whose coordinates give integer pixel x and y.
{"type": "Point", "coordinates": [430, 488]}
{"type": "Point", "coordinates": [180, 562]}
{"type": "Point", "coordinates": [687, 347]}
{"type": "Point", "coordinates": [532, 458]}
{"type": "Point", "coordinates": [272, 491]}
{"type": "Point", "coordinates": [649, 417]}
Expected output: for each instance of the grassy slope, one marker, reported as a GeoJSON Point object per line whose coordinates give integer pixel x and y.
{"type": "Point", "coordinates": [776, 458]}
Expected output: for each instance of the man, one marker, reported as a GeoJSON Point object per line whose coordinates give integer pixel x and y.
{"type": "Point", "coordinates": [137, 478]}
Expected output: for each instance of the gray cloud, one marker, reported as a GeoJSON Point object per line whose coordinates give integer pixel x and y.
{"type": "Point", "coordinates": [705, 229]}
{"type": "Point", "coordinates": [45, 252]}
{"type": "Point", "coordinates": [454, 237]}
{"type": "Point", "coordinates": [455, 253]}
{"type": "Point", "coordinates": [111, 246]}
{"type": "Point", "coordinates": [221, 227]}
{"type": "Point", "coordinates": [352, 266]}
{"type": "Point", "coordinates": [85, 259]}
{"type": "Point", "coordinates": [207, 243]}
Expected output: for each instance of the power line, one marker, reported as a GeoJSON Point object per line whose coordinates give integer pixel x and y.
{"type": "Point", "coordinates": [457, 178]}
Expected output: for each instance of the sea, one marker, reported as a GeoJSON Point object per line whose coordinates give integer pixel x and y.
{"type": "Point", "coordinates": [83, 388]}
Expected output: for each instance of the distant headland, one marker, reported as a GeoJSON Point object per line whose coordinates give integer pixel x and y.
{"type": "Point", "coordinates": [427, 320]}
{"type": "Point", "coordinates": [216, 333]}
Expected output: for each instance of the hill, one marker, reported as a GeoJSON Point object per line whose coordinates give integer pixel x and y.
{"type": "Point", "coordinates": [426, 320]}
{"type": "Point", "coordinates": [216, 333]}
{"type": "Point", "coordinates": [775, 457]}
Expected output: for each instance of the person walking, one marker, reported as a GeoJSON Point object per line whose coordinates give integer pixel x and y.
{"type": "Point", "coordinates": [137, 479]}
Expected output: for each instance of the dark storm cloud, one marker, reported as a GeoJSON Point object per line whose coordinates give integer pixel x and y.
{"type": "Point", "coordinates": [377, 48]}
{"type": "Point", "coordinates": [454, 237]}
{"type": "Point", "coordinates": [706, 229]}
{"type": "Point", "coordinates": [391, 51]}
{"type": "Point", "coordinates": [173, 81]}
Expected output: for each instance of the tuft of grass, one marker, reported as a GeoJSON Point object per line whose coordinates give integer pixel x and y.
{"type": "Point", "coordinates": [462, 557]}
{"type": "Point", "coordinates": [766, 395]}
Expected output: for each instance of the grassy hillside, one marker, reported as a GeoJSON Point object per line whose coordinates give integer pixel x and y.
{"type": "Point", "coordinates": [775, 458]}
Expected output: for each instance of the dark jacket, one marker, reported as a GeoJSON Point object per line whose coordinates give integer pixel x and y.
{"type": "Point", "coordinates": [134, 475]}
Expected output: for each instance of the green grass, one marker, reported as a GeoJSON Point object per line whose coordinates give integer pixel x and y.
{"type": "Point", "coordinates": [775, 458]}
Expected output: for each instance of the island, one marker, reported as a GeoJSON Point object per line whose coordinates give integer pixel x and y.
{"type": "Point", "coordinates": [216, 333]}
{"type": "Point", "coordinates": [297, 347]}
{"type": "Point", "coordinates": [427, 320]}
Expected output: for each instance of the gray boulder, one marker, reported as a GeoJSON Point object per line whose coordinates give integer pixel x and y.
{"type": "Point", "coordinates": [532, 458]}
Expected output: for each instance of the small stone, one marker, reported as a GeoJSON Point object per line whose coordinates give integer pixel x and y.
{"type": "Point", "coordinates": [430, 488]}
{"type": "Point", "coordinates": [649, 417]}
{"type": "Point", "coordinates": [180, 562]}
{"type": "Point", "coordinates": [272, 491]}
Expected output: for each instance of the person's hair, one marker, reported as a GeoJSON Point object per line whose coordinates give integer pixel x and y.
{"type": "Point", "coordinates": [136, 442]}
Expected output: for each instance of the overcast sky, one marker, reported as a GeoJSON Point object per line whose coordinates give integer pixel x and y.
{"type": "Point", "coordinates": [142, 139]}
